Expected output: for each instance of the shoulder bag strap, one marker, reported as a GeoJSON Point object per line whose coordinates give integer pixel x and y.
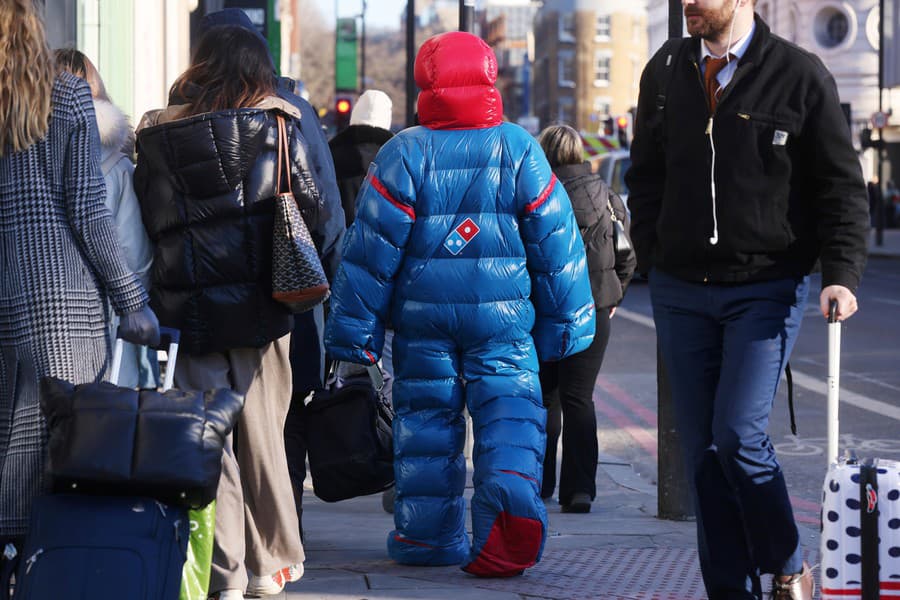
{"type": "Point", "coordinates": [283, 158]}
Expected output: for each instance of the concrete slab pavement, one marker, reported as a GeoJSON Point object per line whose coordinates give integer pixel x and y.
{"type": "Point", "coordinates": [618, 551]}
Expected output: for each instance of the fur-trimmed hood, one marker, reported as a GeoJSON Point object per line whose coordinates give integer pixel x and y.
{"type": "Point", "coordinates": [116, 134]}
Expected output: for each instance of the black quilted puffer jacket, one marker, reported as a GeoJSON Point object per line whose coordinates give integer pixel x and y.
{"type": "Point", "coordinates": [206, 185]}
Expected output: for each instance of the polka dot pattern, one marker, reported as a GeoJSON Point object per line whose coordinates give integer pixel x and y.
{"type": "Point", "coordinates": [841, 545]}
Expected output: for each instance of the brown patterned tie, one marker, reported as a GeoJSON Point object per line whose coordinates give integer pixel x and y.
{"type": "Point", "coordinates": [713, 88]}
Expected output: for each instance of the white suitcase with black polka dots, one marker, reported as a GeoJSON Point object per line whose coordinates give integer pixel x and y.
{"type": "Point", "coordinates": [860, 544]}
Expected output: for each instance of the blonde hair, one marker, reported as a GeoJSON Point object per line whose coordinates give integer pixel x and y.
{"type": "Point", "coordinates": [76, 63]}
{"type": "Point", "coordinates": [562, 145]}
{"type": "Point", "coordinates": [27, 72]}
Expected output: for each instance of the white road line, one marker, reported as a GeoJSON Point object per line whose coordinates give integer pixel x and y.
{"type": "Point", "coordinates": [801, 379]}
{"type": "Point", "coordinates": [848, 397]}
{"type": "Point", "coordinates": [636, 317]}
{"type": "Point", "coordinates": [882, 300]}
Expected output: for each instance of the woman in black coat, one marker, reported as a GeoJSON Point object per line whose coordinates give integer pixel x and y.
{"type": "Point", "coordinates": [568, 385]}
{"type": "Point", "coordinates": [206, 179]}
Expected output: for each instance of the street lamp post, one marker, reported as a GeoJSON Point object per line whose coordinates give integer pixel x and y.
{"type": "Point", "coordinates": [362, 57]}
{"type": "Point", "coordinates": [410, 62]}
{"type": "Point", "coordinates": [879, 206]}
{"type": "Point", "coordinates": [673, 497]}
{"type": "Point", "coordinates": [467, 15]}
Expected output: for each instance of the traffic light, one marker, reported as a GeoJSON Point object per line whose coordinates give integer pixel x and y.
{"type": "Point", "coordinates": [609, 126]}
{"type": "Point", "coordinates": [622, 123]}
{"type": "Point", "coordinates": [342, 107]}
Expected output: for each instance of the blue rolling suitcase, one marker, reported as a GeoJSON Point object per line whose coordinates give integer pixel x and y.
{"type": "Point", "coordinates": [102, 548]}
{"type": "Point", "coordinates": [94, 547]}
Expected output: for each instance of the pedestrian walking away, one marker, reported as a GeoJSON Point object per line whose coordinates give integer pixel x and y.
{"type": "Point", "coordinates": [465, 242]}
{"type": "Point", "coordinates": [206, 180]}
{"type": "Point", "coordinates": [743, 176]}
{"type": "Point", "coordinates": [568, 385]}
{"type": "Point", "coordinates": [61, 262]}
{"type": "Point", "coordinates": [307, 352]}
{"type": "Point", "coordinates": [353, 150]}
{"type": "Point", "coordinates": [139, 367]}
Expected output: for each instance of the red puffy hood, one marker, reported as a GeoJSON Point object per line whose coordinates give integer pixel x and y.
{"type": "Point", "coordinates": [456, 72]}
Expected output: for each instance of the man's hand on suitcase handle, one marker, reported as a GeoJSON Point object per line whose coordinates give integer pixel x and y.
{"type": "Point", "coordinates": [140, 327]}
{"type": "Point", "coordinates": [846, 301]}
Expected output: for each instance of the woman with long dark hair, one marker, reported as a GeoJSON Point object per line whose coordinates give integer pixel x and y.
{"type": "Point", "coordinates": [206, 180]}
{"type": "Point", "coordinates": [59, 253]}
{"type": "Point", "coordinates": [568, 385]}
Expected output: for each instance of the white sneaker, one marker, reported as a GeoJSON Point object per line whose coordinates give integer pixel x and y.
{"type": "Point", "coordinates": [292, 573]}
{"type": "Point", "coordinates": [268, 585]}
{"type": "Point", "coordinates": [228, 595]}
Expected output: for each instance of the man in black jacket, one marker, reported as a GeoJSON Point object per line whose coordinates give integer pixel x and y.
{"type": "Point", "coordinates": [743, 176]}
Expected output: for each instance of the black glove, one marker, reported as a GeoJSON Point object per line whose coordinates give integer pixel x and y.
{"type": "Point", "coordinates": [140, 327]}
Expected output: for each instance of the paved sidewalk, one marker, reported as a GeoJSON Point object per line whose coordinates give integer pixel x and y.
{"type": "Point", "coordinates": [618, 551]}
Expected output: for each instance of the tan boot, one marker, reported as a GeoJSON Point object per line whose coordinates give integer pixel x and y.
{"type": "Point", "coordinates": [801, 586]}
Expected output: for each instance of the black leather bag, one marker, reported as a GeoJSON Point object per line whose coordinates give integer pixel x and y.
{"type": "Point", "coordinates": [349, 438]}
{"type": "Point", "coordinates": [111, 440]}
{"type": "Point", "coordinates": [621, 243]}
{"type": "Point", "coordinates": [298, 279]}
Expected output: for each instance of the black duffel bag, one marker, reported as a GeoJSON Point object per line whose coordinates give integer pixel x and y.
{"type": "Point", "coordinates": [349, 437]}
{"type": "Point", "coordinates": [112, 440]}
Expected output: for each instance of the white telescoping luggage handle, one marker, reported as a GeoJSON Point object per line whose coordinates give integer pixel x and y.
{"type": "Point", "coordinates": [834, 380]}
{"type": "Point", "coordinates": [173, 336]}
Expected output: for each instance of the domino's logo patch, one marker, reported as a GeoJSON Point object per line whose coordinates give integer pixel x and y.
{"type": "Point", "coordinates": [460, 237]}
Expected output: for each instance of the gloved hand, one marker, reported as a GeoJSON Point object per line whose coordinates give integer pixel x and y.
{"type": "Point", "coordinates": [140, 327]}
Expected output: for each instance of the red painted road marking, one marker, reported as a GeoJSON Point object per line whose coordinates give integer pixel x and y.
{"type": "Point", "coordinates": [623, 398]}
{"type": "Point", "coordinates": [805, 510]}
{"type": "Point", "coordinates": [640, 434]}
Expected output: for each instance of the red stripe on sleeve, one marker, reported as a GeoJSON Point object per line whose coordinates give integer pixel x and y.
{"type": "Point", "coordinates": [533, 206]}
{"type": "Point", "coordinates": [387, 196]}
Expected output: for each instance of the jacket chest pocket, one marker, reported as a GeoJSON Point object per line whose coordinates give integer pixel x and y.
{"type": "Point", "coordinates": [771, 138]}
{"type": "Point", "coordinates": [764, 143]}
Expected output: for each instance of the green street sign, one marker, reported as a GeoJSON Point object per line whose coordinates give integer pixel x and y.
{"type": "Point", "coordinates": [345, 55]}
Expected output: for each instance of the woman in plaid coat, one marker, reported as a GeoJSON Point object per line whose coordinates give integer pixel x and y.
{"type": "Point", "coordinates": [59, 256]}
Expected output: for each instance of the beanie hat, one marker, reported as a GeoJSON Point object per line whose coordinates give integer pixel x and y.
{"type": "Point", "coordinates": [230, 16]}
{"type": "Point", "coordinates": [373, 108]}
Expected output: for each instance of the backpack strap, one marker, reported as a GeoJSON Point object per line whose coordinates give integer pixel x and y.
{"type": "Point", "coordinates": [665, 69]}
{"type": "Point", "coordinates": [670, 54]}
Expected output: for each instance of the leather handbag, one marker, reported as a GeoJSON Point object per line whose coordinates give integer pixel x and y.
{"type": "Point", "coordinates": [621, 244]}
{"type": "Point", "coordinates": [112, 440]}
{"type": "Point", "coordinates": [298, 279]}
{"type": "Point", "coordinates": [349, 437]}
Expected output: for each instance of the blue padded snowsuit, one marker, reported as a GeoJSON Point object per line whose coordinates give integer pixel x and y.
{"type": "Point", "coordinates": [465, 243]}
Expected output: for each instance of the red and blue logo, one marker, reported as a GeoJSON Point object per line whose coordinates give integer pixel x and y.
{"type": "Point", "coordinates": [871, 498]}
{"type": "Point", "coordinates": [460, 237]}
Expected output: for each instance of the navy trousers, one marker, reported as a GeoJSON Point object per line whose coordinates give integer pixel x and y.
{"type": "Point", "coordinates": [724, 348]}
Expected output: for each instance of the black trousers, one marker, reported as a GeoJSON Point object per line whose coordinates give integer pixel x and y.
{"type": "Point", "coordinates": [568, 388]}
{"type": "Point", "coordinates": [306, 361]}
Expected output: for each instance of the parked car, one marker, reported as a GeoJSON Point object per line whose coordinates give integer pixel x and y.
{"type": "Point", "coordinates": [612, 168]}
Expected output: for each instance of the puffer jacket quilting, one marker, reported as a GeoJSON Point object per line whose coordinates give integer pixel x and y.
{"type": "Point", "coordinates": [466, 243]}
{"type": "Point", "coordinates": [206, 186]}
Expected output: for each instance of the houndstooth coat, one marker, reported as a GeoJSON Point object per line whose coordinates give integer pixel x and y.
{"type": "Point", "coordinates": [58, 259]}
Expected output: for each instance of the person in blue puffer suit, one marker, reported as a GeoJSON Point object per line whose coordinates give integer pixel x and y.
{"type": "Point", "coordinates": [466, 244]}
